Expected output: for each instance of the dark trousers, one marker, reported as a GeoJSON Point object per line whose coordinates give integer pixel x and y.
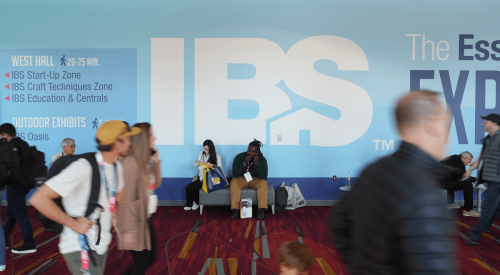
{"type": "Point", "coordinates": [192, 192]}
{"type": "Point", "coordinates": [452, 186]}
{"type": "Point", "coordinates": [490, 207]}
{"type": "Point", "coordinates": [17, 211]}
{"type": "Point", "coordinates": [143, 259]}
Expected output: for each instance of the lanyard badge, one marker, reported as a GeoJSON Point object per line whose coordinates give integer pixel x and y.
{"type": "Point", "coordinates": [247, 175]}
{"type": "Point", "coordinates": [112, 185]}
{"type": "Point", "coordinates": [84, 254]}
{"type": "Point", "coordinates": [112, 203]}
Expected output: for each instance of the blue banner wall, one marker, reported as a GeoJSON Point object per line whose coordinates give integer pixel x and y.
{"type": "Point", "coordinates": [315, 81]}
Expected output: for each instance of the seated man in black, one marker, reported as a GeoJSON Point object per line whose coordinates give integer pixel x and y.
{"type": "Point", "coordinates": [453, 182]}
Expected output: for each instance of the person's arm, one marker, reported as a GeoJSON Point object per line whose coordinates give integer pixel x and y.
{"type": "Point", "coordinates": [473, 165]}
{"type": "Point", "coordinates": [43, 201]}
{"type": "Point", "coordinates": [238, 167]}
{"type": "Point", "coordinates": [64, 183]}
{"type": "Point", "coordinates": [219, 161]}
{"type": "Point", "coordinates": [156, 168]}
{"type": "Point", "coordinates": [261, 168]}
{"type": "Point", "coordinates": [157, 171]}
{"type": "Point", "coordinates": [426, 235]}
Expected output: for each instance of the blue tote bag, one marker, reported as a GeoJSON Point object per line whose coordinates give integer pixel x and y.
{"type": "Point", "coordinates": [214, 179]}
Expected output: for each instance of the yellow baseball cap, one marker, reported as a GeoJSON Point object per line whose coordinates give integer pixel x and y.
{"type": "Point", "coordinates": [113, 130]}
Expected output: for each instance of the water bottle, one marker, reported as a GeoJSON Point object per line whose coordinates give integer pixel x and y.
{"type": "Point", "coordinates": [348, 180]}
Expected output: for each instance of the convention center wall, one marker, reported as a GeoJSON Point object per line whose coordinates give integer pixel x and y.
{"type": "Point", "coordinates": [315, 81]}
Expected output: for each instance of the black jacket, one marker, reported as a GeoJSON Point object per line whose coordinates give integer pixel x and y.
{"type": "Point", "coordinates": [395, 220]}
{"type": "Point", "coordinates": [19, 144]}
{"type": "Point", "coordinates": [456, 169]}
{"type": "Point", "coordinates": [456, 162]}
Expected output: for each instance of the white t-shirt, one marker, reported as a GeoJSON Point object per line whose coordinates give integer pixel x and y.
{"type": "Point", "coordinates": [73, 184]}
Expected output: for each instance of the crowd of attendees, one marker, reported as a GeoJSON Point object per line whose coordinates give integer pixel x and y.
{"type": "Point", "coordinates": [393, 221]}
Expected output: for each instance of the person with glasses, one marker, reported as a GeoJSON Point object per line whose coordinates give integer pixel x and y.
{"type": "Point", "coordinates": [68, 148]}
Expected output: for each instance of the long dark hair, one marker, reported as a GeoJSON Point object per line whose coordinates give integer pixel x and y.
{"type": "Point", "coordinates": [139, 147]}
{"type": "Point", "coordinates": [211, 150]}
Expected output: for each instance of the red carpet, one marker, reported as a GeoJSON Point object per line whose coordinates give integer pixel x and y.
{"type": "Point", "coordinates": [188, 243]}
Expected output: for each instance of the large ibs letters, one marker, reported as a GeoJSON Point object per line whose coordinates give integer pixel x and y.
{"type": "Point", "coordinates": [213, 89]}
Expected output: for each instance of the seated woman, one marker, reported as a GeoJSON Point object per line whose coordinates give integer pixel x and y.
{"type": "Point", "coordinates": [209, 158]}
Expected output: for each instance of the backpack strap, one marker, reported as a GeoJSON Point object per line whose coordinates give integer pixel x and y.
{"type": "Point", "coordinates": [94, 192]}
{"type": "Point", "coordinates": [95, 185]}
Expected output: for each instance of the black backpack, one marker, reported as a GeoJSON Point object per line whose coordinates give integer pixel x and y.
{"type": "Point", "coordinates": [281, 198]}
{"type": "Point", "coordinates": [59, 165]}
{"type": "Point", "coordinates": [32, 166]}
{"type": "Point", "coordinates": [9, 161]}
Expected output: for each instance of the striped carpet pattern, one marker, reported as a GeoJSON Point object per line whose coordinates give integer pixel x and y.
{"type": "Point", "coordinates": [189, 243]}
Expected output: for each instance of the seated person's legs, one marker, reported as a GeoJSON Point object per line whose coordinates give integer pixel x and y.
{"type": "Point", "coordinates": [235, 187]}
{"type": "Point", "coordinates": [447, 185]}
{"type": "Point", "coordinates": [466, 186]}
{"type": "Point", "coordinates": [468, 198]}
{"type": "Point", "coordinates": [262, 187]}
{"type": "Point", "coordinates": [451, 197]}
{"type": "Point", "coordinates": [195, 193]}
{"type": "Point", "coordinates": [189, 197]}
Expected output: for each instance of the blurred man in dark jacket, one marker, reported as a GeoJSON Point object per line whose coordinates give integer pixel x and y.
{"type": "Point", "coordinates": [16, 196]}
{"type": "Point", "coordinates": [394, 220]}
{"type": "Point", "coordinates": [457, 180]}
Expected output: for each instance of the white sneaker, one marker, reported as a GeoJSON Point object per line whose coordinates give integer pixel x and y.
{"type": "Point", "coordinates": [2, 267]}
{"type": "Point", "coordinates": [471, 213]}
{"type": "Point", "coordinates": [187, 208]}
{"type": "Point", "coordinates": [23, 250]}
{"type": "Point", "coordinates": [450, 206]}
{"type": "Point", "coordinates": [195, 206]}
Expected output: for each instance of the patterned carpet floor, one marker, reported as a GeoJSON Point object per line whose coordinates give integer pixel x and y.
{"type": "Point", "coordinates": [190, 243]}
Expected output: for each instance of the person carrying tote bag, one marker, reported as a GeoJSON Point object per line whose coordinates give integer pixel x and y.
{"type": "Point", "coordinates": [207, 158]}
{"type": "Point", "coordinates": [137, 201]}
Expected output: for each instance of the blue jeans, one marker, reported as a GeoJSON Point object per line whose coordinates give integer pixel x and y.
{"type": "Point", "coordinates": [17, 211]}
{"type": "Point", "coordinates": [490, 207]}
{"type": "Point", "coordinates": [2, 237]}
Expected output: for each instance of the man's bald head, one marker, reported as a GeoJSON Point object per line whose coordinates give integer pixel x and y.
{"type": "Point", "coordinates": [422, 122]}
{"type": "Point", "coordinates": [416, 108]}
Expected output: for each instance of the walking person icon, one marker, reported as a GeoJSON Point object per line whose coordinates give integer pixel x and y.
{"type": "Point", "coordinates": [94, 124]}
{"type": "Point", "coordinates": [63, 61]}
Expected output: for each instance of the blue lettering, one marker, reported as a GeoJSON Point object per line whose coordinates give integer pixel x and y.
{"type": "Point", "coordinates": [495, 48]}
{"type": "Point", "coordinates": [462, 47]}
{"type": "Point", "coordinates": [417, 75]}
{"type": "Point", "coordinates": [454, 101]}
{"type": "Point", "coordinates": [482, 50]}
{"type": "Point", "coordinates": [481, 77]}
